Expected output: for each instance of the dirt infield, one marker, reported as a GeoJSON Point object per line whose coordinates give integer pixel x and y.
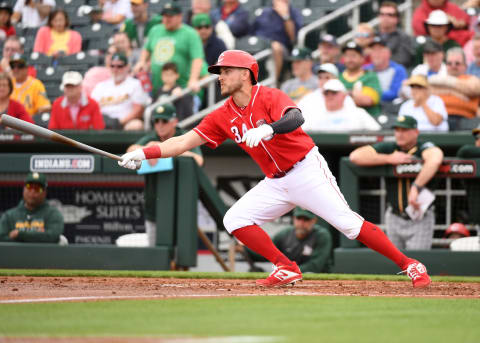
{"type": "Point", "coordinates": [46, 289]}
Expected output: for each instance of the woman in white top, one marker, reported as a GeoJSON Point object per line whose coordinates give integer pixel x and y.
{"type": "Point", "coordinates": [429, 110]}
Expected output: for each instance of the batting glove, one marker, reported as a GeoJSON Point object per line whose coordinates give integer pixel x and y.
{"type": "Point", "coordinates": [133, 159]}
{"type": "Point", "coordinates": [253, 136]}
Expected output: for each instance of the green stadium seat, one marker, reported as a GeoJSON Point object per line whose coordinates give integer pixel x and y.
{"type": "Point", "coordinates": [252, 44]}
{"type": "Point", "coordinates": [69, 3]}
{"type": "Point", "coordinates": [38, 59]}
{"type": "Point", "coordinates": [251, 5]}
{"type": "Point", "coordinates": [80, 58]}
{"type": "Point", "coordinates": [310, 14]}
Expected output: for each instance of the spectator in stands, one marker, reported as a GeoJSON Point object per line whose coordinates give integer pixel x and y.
{"type": "Point", "coordinates": [33, 13]}
{"type": "Point", "coordinates": [338, 114]}
{"type": "Point", "coordinates": [33, 220]}
{"type": "Point", "coordinates": [138, 27]}
{"type": "Point", "coordinates": [10, 106]}
{"type": "Point", "coordinates": [27, 90]}
{"type": "Point", "coordinates": [56, 39]}
{"type": "Point", "coordinates": [13, 46]}
{"type": "Point", "coordinates": [212, 45]}
{"type": "Point", "coordinates": [460, 92]}
{"type": "Point", "coordinates": [164, 121]}
{"type": "Point", "coordinates": [329, 51]}
{"type": "Point", "coordinates": [459, 19]}
{"type": "Point", "coordinates": [468, 151]}
{"type": "Point", "coordinates": [121, 98]}
{"type": "Point", "coordinates": [173, 42]}
{"type": "Point", "coordinates": [468, 47]}
{"type": "Point", "coordinates": [456, 231]}
{"type": "Point", "coordinates": [234, 15]}
{"type": "Point", "coordinates": [304, 80]}
{"type": "Point", "coordinates": [75, 110]}
{"type": "Point", "coordinates": [432, 60]}
{"type": "Point", "coordinates": [115, 12]}
{"type": "Point", "coordinates": [306, 243]}
{"type": "Point", "coordinates": [404, 232]}
{"type": "Point", "coordinates": [6, 27]}
{"type": "Point", "coordinates": [183, 105]}
{"type": "Point", "coordinates": [401, 45]}
{"type": "Point", "coordinates": [97, 74]}
{"type": "Point", "coordinates": [437, 25]}
{"type": "Point", "coordinates": [123, 44]}
{"type": "Point", "coordinates": [363, 85]}
{"type": "Point", "coordinates": [280, 24]}
{"type": "Point", "coordinates": [364, 35]}
{"type": "Point", "coordinates": [389, 73]}
{"type": "Point", "coordinates": [474, 67]}
{"type": "Point", "coordinates": [428, 110]}
{"type": "Point", "coordinates": [198, 7]}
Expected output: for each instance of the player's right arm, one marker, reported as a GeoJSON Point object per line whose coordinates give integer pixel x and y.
{"type": "Point", "coordinates": [366, 156]}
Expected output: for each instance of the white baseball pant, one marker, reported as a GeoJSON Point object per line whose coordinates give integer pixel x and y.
{"type": "Point", "coordinates": [310, 185]}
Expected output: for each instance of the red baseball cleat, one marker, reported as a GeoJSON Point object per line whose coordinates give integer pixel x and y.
{"type": "Point", "coordinates": [417, 272]}
{"type": "Point", "coordinates": [282, 275]}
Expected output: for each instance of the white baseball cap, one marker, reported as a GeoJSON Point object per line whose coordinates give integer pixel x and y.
{"type": "Point", "coordinates": [334, 85]}
{"type": "Point", "coordinates": [71, 78]}
{"type": "Point", "coordinates": [437, 17]}
{"type": "Point", "coordinates": [328, 68]}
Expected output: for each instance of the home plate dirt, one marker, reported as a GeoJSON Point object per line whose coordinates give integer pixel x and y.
{"type": "Point", "coordinates": [26, 289]}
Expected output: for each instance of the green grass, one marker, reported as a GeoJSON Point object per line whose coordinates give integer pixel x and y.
{"type": "Point", "coordinates": [295, 318]}
{"type": "Point", "coordinates": [212, 275]}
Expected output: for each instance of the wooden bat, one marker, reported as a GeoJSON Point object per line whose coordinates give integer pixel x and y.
{"type": "Point", "coordinates": [39, 131]}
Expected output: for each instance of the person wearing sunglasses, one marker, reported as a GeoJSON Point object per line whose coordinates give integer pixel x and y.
{"type": "Point", "coordinates": [212, 45]}
{"type": "Point", "coordinates": [33, 220]}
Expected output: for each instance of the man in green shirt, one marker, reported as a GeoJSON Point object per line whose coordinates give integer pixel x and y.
{"type": "Point", "coordinates": [404, 232]}
{"type": "Point", "coordinates": [33, 220]}
{"type": "Point", "coordinates": [175, 42]}
{"type": "Point", "coordinates": [471, 150]}
{"type": "Point", "coordinates": [138, 27]}
{"type": "Point", "coordinates": [306, 243]}
{"type": "Point", "coordinates": [164, 122]}
{"type": "Point", "coordinates": [363, 85]}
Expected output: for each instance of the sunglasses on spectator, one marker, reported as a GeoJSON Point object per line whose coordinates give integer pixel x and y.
{"type": "Point", "coordinates": [362, 34]}
{"type": "Point", "coordinates": [163, 121]}
{"type": "Point", "coordinates": [417, 86]}
{"type": "Point", "coordinates": [17, 65]}
{"type": "Point", "coordinates": [449, 63]}
{"type": "Point", "coordinates": [203, 27]}
{"type": "Point", "coordinates": [34, 187]}
{"type": "Point", "coordinates": [327, 93]}
{"type": "Point", "coordinates": [117, 66]}
{"type": "Point", "coordinates": [388, 14]}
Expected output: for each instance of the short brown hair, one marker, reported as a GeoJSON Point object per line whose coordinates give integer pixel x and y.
{"type": "Point", "coordinates": [170, 66]}
{"type": "Point", "coordinates": [390, 4]}
{"type": "Point", "coordinates": [54, 13]}
{"type": "Point", "coordinates": [4, 76]}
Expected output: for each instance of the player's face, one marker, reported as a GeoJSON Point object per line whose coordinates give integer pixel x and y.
{"type": "Point", "coordinates": [303, 226]}
{"type": "Point", "coordinates": [165, 128]}
{"type": "Point", "coordinates": [33, 195]}
{"type": "Point", "coordinates": [406, 138]}
{"type": "Point", "coordinates": [231, 79]}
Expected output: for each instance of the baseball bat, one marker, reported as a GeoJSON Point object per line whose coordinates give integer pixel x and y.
{"type": "Point", "coordinates": [39, 131]}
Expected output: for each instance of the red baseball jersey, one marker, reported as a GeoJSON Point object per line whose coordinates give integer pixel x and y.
{"type": "Point", "coordinates": [267, 105]}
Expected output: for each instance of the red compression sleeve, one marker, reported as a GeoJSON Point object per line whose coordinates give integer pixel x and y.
{"type": "Point", "coordinates": [153, 151]}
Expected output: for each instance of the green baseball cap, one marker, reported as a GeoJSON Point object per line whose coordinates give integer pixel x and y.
{"type": "Point", "coordinates": [120, 56]}
{"type": "Point", "coordinates": [201, 19]}
{"type": "Point", "coordinates": [16, 57]}
{"type": "Point", "coordinates": [37, 178]}
{"type": "Point", "coordinates": [171, 8]}
{"type": "Point", "coordinates": [300, 54]}
{"type": "Point", "coordinates": [406, 122]}
{"type": "Point", "coordinates": [301, 212]}
{"type": "Point", "coordinates": [165, 111]}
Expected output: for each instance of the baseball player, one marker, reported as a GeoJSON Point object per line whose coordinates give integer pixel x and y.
{"type": "Point", "coordinates": [266, 124]}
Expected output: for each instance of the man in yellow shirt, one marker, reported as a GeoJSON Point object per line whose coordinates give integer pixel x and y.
{"type": "Point", "coordinates": [27, 90]}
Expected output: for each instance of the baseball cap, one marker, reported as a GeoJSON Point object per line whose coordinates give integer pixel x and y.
{"type": "Point", "coordinates": [457, 228]}
{"type": "Point", "coordinates": [171, 8]}
{"type": "Point", "coordinates": [328, 38]}
{"type": "Point", "coordinates": [378, 40]}
{"type": "Point", "coordinates": [119, 56]}
{"type": "Point", "coordinates": [476, 131]}
{"type": "Point", "coordinates": [301, 212]}
{"type": "Point", "coordinates": [6, 6]}
{"type": "Point", "coordinates": [430, 46]}
{"type": "Point", "coordinates": [36, 178]}
{"type": "Point", "coordinates": [201, 19]}
{"type": "Point", "coordinates": [405, 122]}
{"type": "Point", "coordinates": [137, 2]}
{"type": "Point", "coordinates": [300, 54]}
{"type": "Point", "coordinates": [418, 80]}
{"type": "Point", "coordinates": [165, 111]}
{"type": "Point", "coordinates": [437, 17]}
{"type": "Point", "coordinates": [352, 46]}
{"type": "Point", "coordinates": [71, 78]}
{"type": "Point", "coordinates": [16, 57]}
{"type": "Point", "coordinates": [334, 85]}
{"type": "Point", "coordinates": [327, 68]}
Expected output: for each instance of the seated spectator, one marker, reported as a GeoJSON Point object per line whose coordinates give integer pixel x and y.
{"type": "Point", "coordinates": [121, 98]}
{"type": "Point", "coordinates": [364, 35]}
{"type": "Point", "coordinates": [138, 27]}
{"type": "Point", "coordinates": [329, 51]}
{"type": "Point", "coordinates": [280, 24]}
{"type": "Point", "coordinates": [363, 84]}
{"type": "Point", "coordinates": [97, 74]}
{"type": "Point", "coordinates": [7, 105]}
{"type": "Point", "coordinates": [468, 151]}
{"type": "Point", "coordinates": [212, 45]}
{"type": "Point", "coordinates": [389, 73]}
{"type": "Point", "coordinates": [460, 92]}
{"type": "Point", "coordinates": [32, 13]}
{"type": "Point", "coordinates": [401, 45]}
{"type": "Point", "coordinates": [456, 231]}
{"type": "Point", "coordinates": [432, 60]}
{"type": "Point", "coordinates": [304, 80]}
{"type": "Point", "coordinates": [115, 12]}
{"type": "Point", "coordinates": [459, 19]}
{"type": "Point", "coordinates": [183, 105]}
{"type": "Point", "coordinates": [198, 7]}
{"type": "Point", "coordinates": [6, 27]}
{"type": "Point", "coordinates": [123, 44]}
{"type": "Point", "coordinates": [33, 220]}
{"type": "Point", "coordinates": [474, 66]}
{"type": "Point", "coordinates": [13, 46]}
{"type": "Point", "coordinates": [339, 115]}
{"type": "Point", "coordinates": [468, 47]}
{"type": "Point", "coordinates": [428, 110]}
{"type": "Point", "coordinates": [437, 26]}
{"type": "Point", "coordinates": [234, 15]}
{"type": "Point", "coordinates": [27, 90]}
{"type": "Point", "coordinates": [306, 243]}
{"type": "Point", "coordinates": [56, 39]}
{"type": "Point", "coordinates": [74, 110]}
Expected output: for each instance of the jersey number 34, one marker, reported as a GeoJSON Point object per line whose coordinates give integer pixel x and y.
{"type": "Point", "coordinates": [236, 132]}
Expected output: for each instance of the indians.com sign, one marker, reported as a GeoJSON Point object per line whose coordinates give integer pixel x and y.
{"type": "Point", "coordinates": [62, 163]}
